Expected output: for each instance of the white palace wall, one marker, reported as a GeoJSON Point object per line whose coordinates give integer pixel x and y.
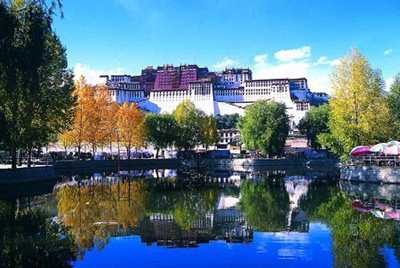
{"type": "Point", "coordinates": [220, 101]}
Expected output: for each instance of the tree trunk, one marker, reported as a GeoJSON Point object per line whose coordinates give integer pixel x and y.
{"type": "Point", "coordinates": [14, 158]}
{"type": "Point", "coordinates": [157, 152]}
{"type": "Point", "coordinates": [128, 151]}
{"type": "Point", "coordinates": [29, 158]}
{"type": "Point", "coordinates": [20, 158]}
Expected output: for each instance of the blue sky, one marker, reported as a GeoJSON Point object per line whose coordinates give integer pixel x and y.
{"type": "Point", "coordinates": [274, 38]}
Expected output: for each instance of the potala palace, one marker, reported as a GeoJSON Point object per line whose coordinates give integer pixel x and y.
{"type": "Point", "coordinates": [226, 92]}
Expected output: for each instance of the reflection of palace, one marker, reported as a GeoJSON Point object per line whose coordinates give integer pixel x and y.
{"type": "Point", "coordinates": [180, 209]}
{"type": "Point", "coordinates": [226, 222]}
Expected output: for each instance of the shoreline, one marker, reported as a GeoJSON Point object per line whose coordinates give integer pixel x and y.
{"type": "Point", "coordinates": [54, 170]}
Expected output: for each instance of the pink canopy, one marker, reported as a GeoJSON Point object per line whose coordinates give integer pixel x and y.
{"type": "Point", "coordinates": [357, 205]}
{"type": "Point", "coordinates": [393, 215]}
{"type": "Point", "coordinates": [361, 150]}
{"type": "Point", "coordinates": [392, 150]}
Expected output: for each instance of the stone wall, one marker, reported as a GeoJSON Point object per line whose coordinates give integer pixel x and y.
{"type": "Point", "coordinates": [27, 175]}
{"type": "Point", "coordinates": [370, 174]}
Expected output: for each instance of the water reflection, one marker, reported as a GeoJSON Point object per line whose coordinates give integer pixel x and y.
{"type": "Point", "coordinates": [30, 239]}
{"type": "Point", "coordinates": [184, 209]}
{"type": "Point", "coordinates": [95, 210]}
{"type": "Point", "coordinates": [359, 238]}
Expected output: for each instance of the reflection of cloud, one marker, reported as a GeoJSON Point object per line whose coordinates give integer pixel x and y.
{"type": "Point", "coordinates": [226, 202]}
{"type": "Point", "coordinates": [224, 63]}
{"type": "Point", "coordinates": [291, 253]}
{"type": "Point", "coordinates": [91, 75]}
{"type": "Point", "coordinates": [295, 238]}
{"type": "Point", "coordinates": [261, 248]}
{"type": "Point", "coordinates": [293, 54]}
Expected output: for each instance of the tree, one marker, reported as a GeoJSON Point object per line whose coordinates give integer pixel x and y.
{"type": "Point", "coordinates": [358, 112]}
{"type": "Point", "coordinates": [65, 139]}
{"type": "Point", "coordinates": [227, 121]}
{"type": "Point", "coordinates": [208, 132]}
{"type": "Point", "coordinates": [315, 122]}
{"type": "Point", "coordinates": [111, 122]}
{"type": "Point", "coordinates": [393, 99]}
{"type": "Point", "coordinates": [265, 126]}
{"type": "Point", "coordinates": [130, 126]}
{"type": "Point", "coordinates": [76, 132]}
{"type": "Point", "coordinates": [35, 89]}
{"type": "Point", "coordinates": [161, 130]}
{"type": "Point", "coordinates": [188, 119]}
{"type": "Point", "coordinates": [96, 130]}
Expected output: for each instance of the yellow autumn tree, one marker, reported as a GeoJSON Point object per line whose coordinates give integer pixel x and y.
{"type": "Point", "coordinates": [208, 132]}
{"type": "Point", "coordinates": [358, 112]}
{"type": "Point", "coordinates": [111, 124]}
{"type": "Point", "coordinates": [97, 104]}
{"type": "Point", "coordinates": [130, 124]}
{"type": "Point", "coordinates": [76, 135]}
{"type": "Point", "coordinates": [66, 140]}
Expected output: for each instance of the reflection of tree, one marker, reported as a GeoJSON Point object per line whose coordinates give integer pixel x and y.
{"type": "Point", "coordinates": [265, 204]}
{"type": "Point", "coordinates": [31, 239]}
{"type": "Point", "coordinates": [193, 205]}
{"type": "Point", "coordinates": [318, 193]}
{"type": "Point", "coordinates": [94, 212]}
{"type": "Point", "coordinates": [357, 237]}
{"type": "Point", "coordinates": [186, 204]}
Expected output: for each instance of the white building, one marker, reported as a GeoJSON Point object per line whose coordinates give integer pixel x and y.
{"type": "Point", "coordinates": [233, 77]}
{"type": "Point", "coordinates": [213, 99]}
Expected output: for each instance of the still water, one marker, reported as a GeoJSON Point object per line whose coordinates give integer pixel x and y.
{"type": "Point", "coordinates": [170, 218]}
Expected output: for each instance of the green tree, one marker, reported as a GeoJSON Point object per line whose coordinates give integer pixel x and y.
{"type": "Point", "coordinates": [358, 111]}
{"type": "Point", "coordinates": [161, 130]}
{"type": "Point", "coordinates": [227, 121]}
{"type": "Point", "coordinates": [35, 85]}
{"type": "Point", "coordinates": [188, 119]}
{"type": "Point", "coordinates": [394, 105]}
{"type": "Point", "coordinates": [265, 126]}
{"type": "Point", "coordinates": [315, 122]}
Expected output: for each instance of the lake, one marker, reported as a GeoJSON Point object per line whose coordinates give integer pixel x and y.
{"type": "Point", "coordinates": [189, 218]}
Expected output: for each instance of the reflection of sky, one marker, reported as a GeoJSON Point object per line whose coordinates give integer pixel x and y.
{"type": "Point", "coordinates": [311, 249]}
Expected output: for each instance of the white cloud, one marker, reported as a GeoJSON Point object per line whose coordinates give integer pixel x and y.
{"type": "Point", "coordinates": [293, 54]}
{"type": "Point", "coordinates": [92, 76]}
{"type": "Point", "coordinates": [262, 69]}
{"type": "Point", "coordinates": [318, 77]}
{"type": "Point", "coordinates": [388, 52]}
{"type": "Point", "coordinates": [389, 83]}
{"type": "Point", "coordinates": [324, 60]}
{"type": "Point", "coordinates": [260, 58]}
{"type": "Point", "coordinates": [224, 63]}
